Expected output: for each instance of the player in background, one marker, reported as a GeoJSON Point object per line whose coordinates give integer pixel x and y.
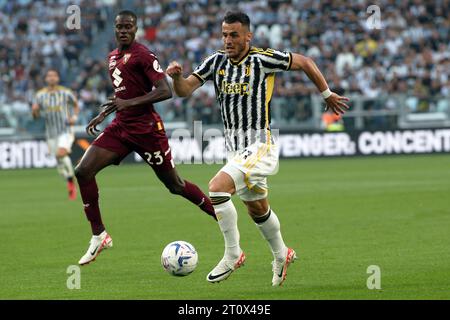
{"type": "Point", "coordinates": [138, 83]}
{"type": "Point", "coordinates": [59, 106]}
{"type": "Point", "coordinates": [243, 77]}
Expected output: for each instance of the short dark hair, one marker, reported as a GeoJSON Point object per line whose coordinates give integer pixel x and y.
{"type": "Point", "coordinates": [237, 16]}
{"type": "Point", "coordinates": [128, 13]}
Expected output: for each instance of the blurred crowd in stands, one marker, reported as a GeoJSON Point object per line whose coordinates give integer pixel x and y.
{"type": "Point", "coordinates": [34, 37]}
{"type": "Point", "coordinates": [409, 54]}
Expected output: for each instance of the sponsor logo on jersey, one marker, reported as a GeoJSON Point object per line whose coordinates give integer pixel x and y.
{"type": "Point", "coordinates": [117, 78]}
{"type": "Point", "coordinates": [241, 88]}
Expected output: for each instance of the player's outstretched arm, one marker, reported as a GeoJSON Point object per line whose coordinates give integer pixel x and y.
{"type": "Point", "coordinates": [183, 86]}
{"type": "Point", "coordinates": [334, 101]}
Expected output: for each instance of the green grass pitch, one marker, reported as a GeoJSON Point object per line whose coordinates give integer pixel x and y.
{"type": "Point", "coordinates": [341, 216]}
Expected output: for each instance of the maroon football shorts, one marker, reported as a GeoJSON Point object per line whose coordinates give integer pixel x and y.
{"type": "Point", "coordinates": [153, 147]}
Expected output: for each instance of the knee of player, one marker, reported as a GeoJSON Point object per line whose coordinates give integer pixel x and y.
{"type": "Point", "coordinates": [222, 182]}
{"type": "Point", "coordinates": [82, 172]}
{"type": "Point", "coordinates": [61, 153]}
{"type": "Point", "coordinates": [213, 186]}
{"type": "Point", "coordinates": [257, 209]}
{"type": "Point", "coordinates": [79, 171]}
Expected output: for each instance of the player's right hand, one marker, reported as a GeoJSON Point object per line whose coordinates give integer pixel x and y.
{"type": "Point", "coordinates": [91, 128]}
{"type": "Point", "coordinates": [174, 69]}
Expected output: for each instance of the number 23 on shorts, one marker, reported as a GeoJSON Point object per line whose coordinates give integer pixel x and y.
{"type": "Point", "coordinates": [154, 158]}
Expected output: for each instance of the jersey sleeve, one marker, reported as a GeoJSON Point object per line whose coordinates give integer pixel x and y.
{"type": "Point", "coordinates": [71, 101]}
{"type": "Point", "coordinates": [71, 97]}
{"type": "Point", "coordinates": [151, 67]}
{"type": "Point", "coordinates": [205, 70]}
{"type": "Point", "coordinates": [274, 60]}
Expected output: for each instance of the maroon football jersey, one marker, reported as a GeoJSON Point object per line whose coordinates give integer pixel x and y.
{"type": "Point", "coordinates": [133, 73]}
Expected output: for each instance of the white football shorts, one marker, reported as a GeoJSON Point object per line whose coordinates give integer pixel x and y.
{"type": "Point", "coordinates": [249, 169]}
{"type": "Point", "coordinates": [64, 141]}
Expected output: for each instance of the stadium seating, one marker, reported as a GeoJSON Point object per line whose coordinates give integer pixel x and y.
{"type": "Point", "coordinates": [408, 56]}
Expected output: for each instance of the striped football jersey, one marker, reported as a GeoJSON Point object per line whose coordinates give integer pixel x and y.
{"type": "Point", "coordinates": [244, 90]}
{"type": "Point", "coordinates": [56, 106]}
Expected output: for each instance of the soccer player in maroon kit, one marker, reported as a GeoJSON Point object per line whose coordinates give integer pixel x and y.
{"type": "Point", "coordinates": [138, 82]}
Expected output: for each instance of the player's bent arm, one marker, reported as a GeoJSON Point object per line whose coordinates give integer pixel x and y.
{"type": "Point", "coordinates": [309, 67]}
{"type": "Point", "coordinates": [184, 87]}
{"type": "Point", "coordinates": [161, 92]}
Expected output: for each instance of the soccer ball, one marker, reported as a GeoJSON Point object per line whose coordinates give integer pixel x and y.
{"type": "Point", "coordinates": [179, 258]}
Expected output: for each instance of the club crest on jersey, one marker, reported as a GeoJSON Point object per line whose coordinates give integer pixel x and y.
{"type": "Point", "coordinates": [247, 71]}
{"type": "Point", "coordinates": [221, 72]}
{"type": "Point", "coordinates": [126, 57]}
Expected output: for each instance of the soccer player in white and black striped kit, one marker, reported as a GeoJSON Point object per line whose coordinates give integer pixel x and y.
{"type": "Point", "coordinates": [59, 106]}
{"type": "Point", "coordinates": [243, 78]}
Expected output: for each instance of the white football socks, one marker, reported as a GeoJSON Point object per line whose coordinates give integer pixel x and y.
{"type": "Point", "coordinates": [270, 230]}
{"type": "Point", "coordinates": [68, 166]}
{"type": "Point", "coordinates": [227, 219]}
{"type": "Point", "coordinates": [65, 167]}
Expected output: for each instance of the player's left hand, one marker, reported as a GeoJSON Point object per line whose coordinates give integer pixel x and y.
{"type": "Point", "coordinates": [337, 104]}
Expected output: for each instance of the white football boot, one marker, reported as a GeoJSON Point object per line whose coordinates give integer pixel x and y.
{"type": "Point", "coordinates": [96, 245]}
{"type": "Point", "coordinates": [224, 268]}
{"type": "Point", "coordinates": [279, 268]}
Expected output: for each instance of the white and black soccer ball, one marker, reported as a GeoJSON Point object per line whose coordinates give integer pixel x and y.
{"type": "Point", "coordinates": [179, 258]}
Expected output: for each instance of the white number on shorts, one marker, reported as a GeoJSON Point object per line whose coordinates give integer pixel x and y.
{"type": "Point", "coordinates": [246, 153]}
{"type": "Point", "coordinates": [156, 155]}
